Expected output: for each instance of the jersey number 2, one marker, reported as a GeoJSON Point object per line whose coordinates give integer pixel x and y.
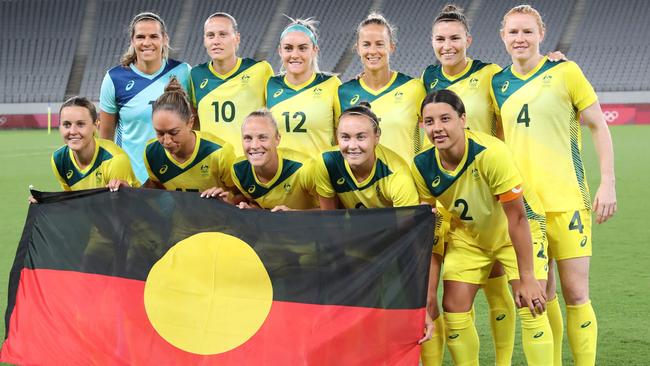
{"type": "Point", "coordinates": [523, 116]}
{"type": "Point", "coordinates": [300, 116]}
{"type": "Point", "coordinates": [463, 214]}
{"type": "Point", "coordinates": [226, 113]}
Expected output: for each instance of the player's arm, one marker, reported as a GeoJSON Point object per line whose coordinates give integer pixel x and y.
{"type": "Point", "coordinates": [107, 109]}
{"type": "Point", "coordinates": [58, 177]}
{"type": "Point", "coordinates": [529, 292]}
{"type": "Point", "coordinates": [107, 125]}
{"type": "Point", "coordinates": [605, 200]}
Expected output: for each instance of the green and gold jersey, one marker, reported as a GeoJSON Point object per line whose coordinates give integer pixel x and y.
{"type": "Point", "coordinates": [540, 113]}
{"type": "Point", "coordinates": [209, 165]}
{"type": "Point", "coordinates": [292, 185]}
{"type": "Point", "coordinates": [305, 113]}
{"type": "Point", "coordinates": [109, 162]}
{"type": "Point", "coordinates": [389, 184]}
{"type": "Point", "coordinates": [473, 86]}
{"type": "Point", "coordinates": [223, 101]}
{"type": "Point", "coordinates": [470, 193]}
{"type": "Point", "coordinates": [398, 107]}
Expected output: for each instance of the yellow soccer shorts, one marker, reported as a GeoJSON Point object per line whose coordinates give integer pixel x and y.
{"type": "Point", "coordinates": [569, 234]}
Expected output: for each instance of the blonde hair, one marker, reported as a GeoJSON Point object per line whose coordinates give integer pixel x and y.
{"type": "Point", "coordinates": [262, 113]}
{"type": "Point", "coordinates": [174, 99]}
{"type": "Point", "coordinates": [130, 56]}
{"type": "Point", "coordinates": [378, 19]}
{"type": "Point", "coordinates": [309, 23]}
{"type": "Point", "coordinates": [525, 9]}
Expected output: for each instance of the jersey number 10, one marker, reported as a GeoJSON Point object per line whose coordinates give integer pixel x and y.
{"type": "Point", "coordinates": [226, 113]}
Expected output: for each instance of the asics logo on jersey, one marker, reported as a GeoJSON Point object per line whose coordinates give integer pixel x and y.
{"type": "Point", "coordinates": [68, 174]}
{"type": "Point", "coordinates": [433, 84]}
{"type": "Point", "coordinates": [500, 317]}
{"type": "Point", "coordinates": [278, 93]}
{"type": "Point", "coordinates": [454, 336]}
{"type": "Point", "coordinates": [129, 86]}
{"type": "Point", "coordinates": [435, 182]}
{"type": "Point", "coordinates": [163, 169]}
{"type": "Point", "coordinates": [585, 324]}
{"type": "Point", "coordinates": [340, 181]}
{"type": "Point", "coordinates": [505, 86]}
{"type": "Point", "coordinates": [203, 83]}
{"type": "Point", "coordinates": [354, 99]}
{"type": "Point", "coordinates": [583, 242]}
{"type": "Point", "coordinates": [251, 189]}
{"type": "Point", "coordinates": [538, 334]}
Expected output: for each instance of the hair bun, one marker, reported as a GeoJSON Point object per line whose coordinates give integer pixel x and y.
{"type": "Point", "coordinates": [452, 8]}
{"type": "Point", "coordinates": [174, 86]}
{"type": "Point", "coordinates": [365, 104]}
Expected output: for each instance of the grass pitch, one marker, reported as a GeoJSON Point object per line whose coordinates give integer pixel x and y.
{"type": "Point", "coordinates": [620, 275]}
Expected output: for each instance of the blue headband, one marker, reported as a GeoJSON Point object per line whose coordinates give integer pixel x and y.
{"type": "Point", "coordinates": [300, 28]}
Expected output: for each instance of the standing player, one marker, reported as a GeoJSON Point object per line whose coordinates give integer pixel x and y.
{"type": "Point", "coordinates": [540, 104]}
{"type": "Point", "coordinates": [129, 89]}
{"type": "Point", "coordinates": [394, 97]}
{"type": "Point", "coordinates": [473, 176]}
{"type": "Point", "coordinates": [227, 88]}
{"type": "Point", "coordinates": [302, 97]}
{"type": "Point", "coordinates": [271, 177]}
{"type": "Point", "coordinates": [86, 162]}
{"type": "Point", "coordinates": [180, 158]}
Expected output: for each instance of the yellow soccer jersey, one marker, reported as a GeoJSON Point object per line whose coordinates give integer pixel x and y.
{"type": "Point", "coordinates": [305, 113]}
{"type": "Point", "coordinates": [389, 184]}
{"type": "Point", "coordinates": [109, 162]}
{"type": "Point", "coordinates": [223, 101]}
{"type": "Point", "coordinates": [473, 86]}
{"type": "Point", "coordinates": [471, 192]}
{"type": "Point", "coordinates": [398, 107]}
{"type": "Point", "coordinates": [540, 113]}
{"type": "Point", "coordinates": [209, 165]}
{"type": "Point", "coordinates": [292, 186]}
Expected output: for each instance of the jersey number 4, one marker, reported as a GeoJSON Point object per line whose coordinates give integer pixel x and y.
{"type": "Point", "coordinates": [523, 116]}
{"type": "Point", "coordinates": [298, 117]}
{"type": "Point", "coordinates": [226, 113]}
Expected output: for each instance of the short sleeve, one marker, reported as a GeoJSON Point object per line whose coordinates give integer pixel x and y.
{"type": "Point", "coordinates": [322, 179]}
{"type": "Point", "coordinates": [58, 177]}
{"type": "Point", "coordinates": [421, 186]}
{"type": "Point", "coordinates": [307, 180]}
{"type": "Point", "coordinates": [337, 106]}
{"type": "Point", "coordinates": [107, 101]}
{"type": "Point", "coordinates": [402, 189]}
{"type": "Point", "coordinates": [152, 177]}
{"type": "Point", "coordinates": [501, 172]}
{"type": "Point", "coordinates": [580, 89]}
{"type": "Point", "coordinates": [226, 159]}
{"type": "Point", "coordinates": [120, 168]}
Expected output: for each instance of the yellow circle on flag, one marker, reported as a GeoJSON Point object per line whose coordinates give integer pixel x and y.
{"type": "Point", "coordinates": [208, 294]}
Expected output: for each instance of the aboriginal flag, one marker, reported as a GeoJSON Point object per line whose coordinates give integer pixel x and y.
{"type": "Point", "coordinates": [150, 277]}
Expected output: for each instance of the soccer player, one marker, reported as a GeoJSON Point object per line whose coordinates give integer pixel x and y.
{"type": "Point", "coordinates": [302, 97]}
{"type": "Point", "coordinates": [183, 159]}
{"type": "Point", "coordinates": [86, 162]}
{"type": "Point", "coordinates": [394, 97]}
{"type": "Point", "coordinates": [273, 178]}
{"type": "Point", "coordinates": [540, 104]}
{"type": "Point", "coordinates": [473, 176]}
{"type": "Point", "coordinates": [227, 88]}
{"type": "Point", "coordinates": [129, 89]}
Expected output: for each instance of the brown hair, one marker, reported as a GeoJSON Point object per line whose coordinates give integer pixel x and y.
{"type": "Point", "coordinates": [377, 18]}
{"type": "Point", "coordinates": [83, 102]}
{"type": "Point", "coordinates": [129, 56]}
{"type": "Point", "coordinates": [452, 13]}
{"type": "Point", "coordinates": [227, 16]}
{"type": "Point", "coordinates": [363, 109]}
{"type": "Point", "coordinates": [174, 99]}
{"type": "Point", "coordinates": [525, 9]}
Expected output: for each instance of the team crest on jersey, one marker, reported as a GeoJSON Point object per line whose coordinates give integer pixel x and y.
{"type": "Point", "coordinates": [203, 83]}
{"type": "Point", "coordinates": [163, 169]}
{"type": "Point", "coordinates": [340, 181]}
{"type": "Point", "coordinates": [476, 174]}
{"type": "Point", "coordinates": [278, 93]}
{"type": "Point", "coordinates": [473, 83]}
{"type": "Point", "coordinates": [318, 91]}
{"type": "Point", "coordinates": [436, 182]}
{"type": "Point", "coordinates": [433, 84]}
{"type": "Point", "coordinates": [354, 99]}
{"type": "Point", "coordinates": [398, 96]}
{"type": "Point", "coordinates": [378, 189]}
{"type": "Point", "coordinates": [69, 174]}
{"type": "Point", "coordinates": [98, 177]}
{"type": "Point", "coordinates": [129, 86]}
{"type": "Point", "coordinates": [505, 86]}
{"type": "Point", "coordinates": [546, 80]}
{"type": "Point", "coordinates": [245, 78]}
{"type": "Point", "coordinates": [251, 189]}
{"type": "Point", "coordinates": [287, 187]}
{"type": "Point", "coordinates": [205, 169]}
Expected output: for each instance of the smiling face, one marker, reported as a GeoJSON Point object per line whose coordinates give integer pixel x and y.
{"type": "Point", "coordinates": [297, 53]}
{"type": "Point", "coordinates": [374, 47]}
{"type": "Point", "coordinates": [77, 128]}
{"type": "Point", "coordinates": [173, 133]}
{"type": "Point", "coordinates": [357, 140]}
{"type": "Point", "coordinates": [450, 42]}
{"type": "Point", "coordinates": [443, 126]}
{"type": "Point", "coordinates": [148, 41]}
{"type": "Point", "coordinates": [220, 39]}
{"type": "Point", "coordinates": [260, 140]}
{"type": "Point", "coordinates": [522, 36]}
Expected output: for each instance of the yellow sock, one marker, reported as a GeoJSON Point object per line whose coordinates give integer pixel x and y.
{"type": "Point", "coordinates": [537, 338]}
{"type": "Point", "coordinates": [502, 318]}
{"type": "Point", "coordinates": [462, 339]}
{"type": "Point", "coordinates": [582, 331]}
{"type": "Point", "coordinates": [433, 350]}
{"type": "Point", "coordinates": [557, 325]}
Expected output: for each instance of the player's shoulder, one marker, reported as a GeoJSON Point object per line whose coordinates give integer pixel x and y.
{"type": "Point", "coordinates": [479, 66]}
{"type": "Point", "coordinates": [110, 147]}
{"type": "Point", "coordinates": [487, 147]}
{"type": "Point", "coordinates": [392, 159]}
{"type": "Point", "coordinates": [200, 69]}
{"type": "Point", "coordinates": [208, 138]}
{"type": "Point", "coordinates": [294, 155]}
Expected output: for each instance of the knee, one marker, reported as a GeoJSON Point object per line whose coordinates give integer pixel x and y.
{"type": "Point", "coordinates": [575, 294]}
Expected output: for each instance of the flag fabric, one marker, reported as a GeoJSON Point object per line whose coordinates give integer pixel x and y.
{"type": "Point", "coordinates": [149, 277]}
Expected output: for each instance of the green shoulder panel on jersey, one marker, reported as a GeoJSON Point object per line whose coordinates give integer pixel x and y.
{"type": "Point", "coordinates": [244, 173]}
{"type": "Point", "coordinates": [67, 169]}
{"type": "Point", "coordinates": [278, 91]}
{"type": "Point", "coordinates": [341, 180]}
{"type": "Point", "coordinates": [505, 83]}
{"type": "Point", "coordinates": [434, 79]}
{"type": "Point", "coordinates": [351, 92]}
{"type": "Point", "coordinates": [205, 81]}
{"type": "Point", "coordinates": [436, 180]}
{"type": "Point", "coordinates": [164, 169]}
